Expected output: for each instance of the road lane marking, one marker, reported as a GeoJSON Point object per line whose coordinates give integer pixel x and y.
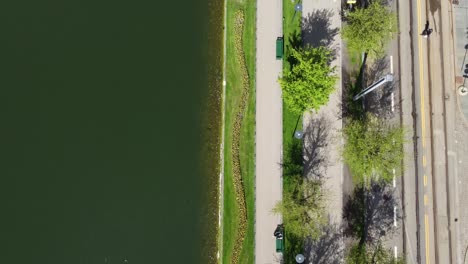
{"type": "Point", "coordinates": [423, 124]}
{"type": "Point", "coordinates": [395, 249]}
{"type": "Point", "coordinates": [394, 179]}
{"type": "Point", "coordinates": [394, 216]}
{"type": "Point", "coordinates": [425, 199]}
{"type": "Point", "coordinates": [391, 64]}
{"type": "Point", "coordinates": [426, 231]}
{"type": "Point", "coordinates": [393, 102]}
{"type": "Point", "coordinates": [424, 160]}
{"type": "Point", "coordinates": [425, 180]}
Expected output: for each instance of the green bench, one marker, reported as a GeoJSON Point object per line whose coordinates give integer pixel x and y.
{"type": "Point", "coordinates": [279, 48]}
{"type": "Point", "coordinates": [279, 234]}
{"type": "Point", "coordinates": [279, 245]}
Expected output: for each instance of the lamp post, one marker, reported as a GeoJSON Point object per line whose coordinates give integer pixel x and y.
{"type": "Point", "coordinates": [300, 258]}
{"type": "Point", "coordinates": [297, 7]}
{"type": "Point", "coordinates": [298, 134]}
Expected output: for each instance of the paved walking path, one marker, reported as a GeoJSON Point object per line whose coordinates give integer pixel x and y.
{"type": "Point", "coordinates": [460, 12]}
{"type": "Point", "coordinates": [322, 141]}
{"type": "Point", "coordinates": [269, 129]}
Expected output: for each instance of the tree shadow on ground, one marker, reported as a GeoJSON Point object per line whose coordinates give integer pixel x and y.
{"type": "Point", "coordinates": [317, 137]}
{"type": "Point", "coordinates": [376, 69]}
{"type": "Point", "coordinates": [317, 31]}
{"type": "Point", "coordinates": [348, 108]}
{"type": "Point", "coordinates": [369, 213]}
{"type": "Point", "coordinates": [352, 83]}
{"type": "Point", "coordinates": [379, 101]}
{"type": "Point", "coordinates": [328, 249]}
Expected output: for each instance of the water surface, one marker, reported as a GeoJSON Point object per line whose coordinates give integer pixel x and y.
{"type": "Point", "coordinates": [103, 129]}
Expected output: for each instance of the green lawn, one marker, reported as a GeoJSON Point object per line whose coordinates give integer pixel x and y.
{"type": "Point", "coordinates": [292, 35]}
{"type": "Point", "coordinates": [292, 147]}
{"type": "Point", "coordinates": [247, 138]}
{"type": "Point", "coordinates": [248, 134]}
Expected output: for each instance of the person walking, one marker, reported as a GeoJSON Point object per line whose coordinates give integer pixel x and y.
{"type": "Point", "coordinates": [427, 31]}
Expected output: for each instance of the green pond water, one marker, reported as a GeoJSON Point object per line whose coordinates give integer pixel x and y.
{"type": "Point", "coordinates": [109, 131]}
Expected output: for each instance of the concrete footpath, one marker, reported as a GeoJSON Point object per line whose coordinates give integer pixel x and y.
{"type": "Point", "coordinates": [456, 108]}
{"type": "Point", "coordinates": [322, 141]}
{"type": "Point", "coordinates": [269, 129]}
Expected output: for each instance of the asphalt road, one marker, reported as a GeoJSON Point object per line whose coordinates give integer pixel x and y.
{"type": "Point", "coordinates": [269, 128]}
{"type": "Point", "coordinates": [433, 79]}
{"type": "Point", "coordinates": [409, 179]}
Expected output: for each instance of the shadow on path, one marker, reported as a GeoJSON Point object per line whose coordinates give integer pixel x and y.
{"type": "Point", "coordinates": [328, 249]}
{"type": "Point", "coordinates": [369, 214]}
{"type": "Point", "coordinates": [317, 137]}
{"type": "Point", "coordinates": [379, 101]}
{"type": "Point", "coordinates": [316, 30]}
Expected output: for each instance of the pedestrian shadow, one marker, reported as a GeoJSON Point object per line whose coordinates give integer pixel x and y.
{"type": "Point", "coordinates": [328, 249]}
{"type": "Point", "coordinates": [317, 137]}
{"type": "Point", "coordinates": [316, 29]}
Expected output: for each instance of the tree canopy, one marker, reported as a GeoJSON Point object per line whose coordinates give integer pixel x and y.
{"type": "Point", "coordinates": [311, 80]}
{"type": "Point", "coordinates": [370, 29]}
{"type": "Point", "coordinates": [373, 149]}
{"type": "Point", "coordinates": [377, 254]}
{"type": "Point", "coordinates": [303, 209]}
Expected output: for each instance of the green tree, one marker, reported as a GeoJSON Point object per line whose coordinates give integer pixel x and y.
{"type": "Point", "coordinates": [370, 29]}
{"type": "Point", "coordinates": [311, 80]}
{"type": "Point", "coordinates": [368, 254]}
{"type": "Point", "coordinates": [356, 254]}
{"type": "Point", "coordinates": [303, 209]}
{"type": "Point", "coordinates": [373, 149]}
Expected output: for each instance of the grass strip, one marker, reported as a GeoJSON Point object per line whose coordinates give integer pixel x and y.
{"type": "Point", "coordinates": [236, 167]}
{"type": "Point", "coordinates": [292, 147]}
{"type": "Point", "coordinates": [247, 140]}
{"type": "Point", "coordinates": [239, 170]}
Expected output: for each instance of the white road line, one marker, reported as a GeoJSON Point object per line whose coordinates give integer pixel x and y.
{"type": "Point", "coordinates": [393, 102]}
{"type": "Point", "coordinates": [394, 216]}
{"type": "Point", "coordinates": [395, 249]}
{"type": "Point", "coordinates": [391, 64]}
{"type": "Point", "coordinates": [394, 180]}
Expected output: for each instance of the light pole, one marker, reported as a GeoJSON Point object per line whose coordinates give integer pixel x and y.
{"type": "Point", "coordinates": [297, 7]}
{"type": "Point", "coordinates": [300, 258]}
